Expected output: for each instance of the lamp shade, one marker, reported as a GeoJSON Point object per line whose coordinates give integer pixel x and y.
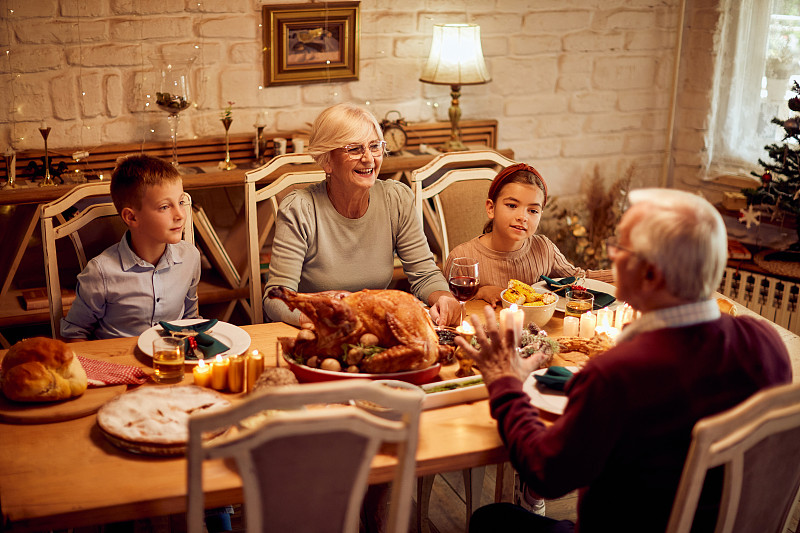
{"type": "Point", "coordinates": [456, 57]}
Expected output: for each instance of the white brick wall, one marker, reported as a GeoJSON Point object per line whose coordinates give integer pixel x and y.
{"type": "Point", "coordinates": [575, 83]}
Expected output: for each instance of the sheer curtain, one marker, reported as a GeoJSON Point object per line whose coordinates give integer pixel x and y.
{"type": "Point", "coordinates": [757, 67]}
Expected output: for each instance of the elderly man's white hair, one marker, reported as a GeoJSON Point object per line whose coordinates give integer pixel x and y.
{"type": "Point", "coordinates": [684, 236]}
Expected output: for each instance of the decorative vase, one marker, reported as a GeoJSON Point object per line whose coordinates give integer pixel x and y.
{"type": "Point", "coordinates": [227, 164]}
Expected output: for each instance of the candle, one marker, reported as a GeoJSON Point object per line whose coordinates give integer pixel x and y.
{"type": "Point", "coordinates": [611, 331]}
{"type": "Point", "coordinates": [587, 325]}
{"type": "Point", "coordinates": [255, 366]}
{"type": "Point", "coordinates": [236, 374]}
{"type": "Point", "coordinates": [513, 318]}
{"type": "Point", "coordinates": [260, 121]}
{"type": "Point", "coordinates": [628, 315]}
{"type": "Point", "coordinates": [571, 326]}
{"type": "Point", "coordinates": [43, 125]}
{"type": "Point", "coordinates": [619, 316]}
{"type": "Point", "coordinates": [465, 329]}
{"type": "Point", "coordinates": [605, 317]}
{"type": "Point", "coordinates": [219, 373]}
{"type": "Point", "coordinates": [202, 374]}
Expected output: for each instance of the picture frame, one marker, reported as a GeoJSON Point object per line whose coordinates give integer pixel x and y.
{"type": "Point", "coordinates": [310, 43]}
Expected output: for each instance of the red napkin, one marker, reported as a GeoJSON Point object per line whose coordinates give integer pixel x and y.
{"type": "Point", "coordinates": [101, 373]}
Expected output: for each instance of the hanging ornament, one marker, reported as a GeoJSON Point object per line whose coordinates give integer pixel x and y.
{"type": "Point", "coordinates": [766, 179]}
{"type": "Point", "coordinates": [794, 104]}
{"type": "Point", "coordinates": [749, 217]}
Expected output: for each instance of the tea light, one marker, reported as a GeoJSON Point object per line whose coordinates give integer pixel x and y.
{"type": "Point", "coordinates": [236, 374]}
{"type": "Point", "coordinates": [611, 331]}
{"type": "Point", "coordinates": [202, 374]}
{"type": "Point", "coordinates": [628, 315]}
{"type": "Point", "coordinates": [571, 326]}
{"type": "Point", "coordinates": [587, 325]}
{"type": "Point", "coordinates": [219, 373]}
{"type": "Point", "coordinates": [605, 317]}
{"type": "Point", "coordinates": [255, 366]}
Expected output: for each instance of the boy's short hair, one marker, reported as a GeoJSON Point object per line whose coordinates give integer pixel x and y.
{"type": "Point", "coordinates": [134, 174]}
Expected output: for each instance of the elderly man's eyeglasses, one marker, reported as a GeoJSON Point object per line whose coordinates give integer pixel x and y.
{"type": "Point", "coordinates": [356, 151]}
{"type": "Point", "coordinates": [613, 246]}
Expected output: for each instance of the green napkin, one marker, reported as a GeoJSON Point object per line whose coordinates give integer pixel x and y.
{"type": "Point", "coordinates": [601, 299]}
{"type": "Point", "coordinates": [556, 377]}
{"type": "Point", "coordinates": [206, 344]}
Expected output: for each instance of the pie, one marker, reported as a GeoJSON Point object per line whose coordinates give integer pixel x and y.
{"type": "Point", "coordinates": [157, 415]}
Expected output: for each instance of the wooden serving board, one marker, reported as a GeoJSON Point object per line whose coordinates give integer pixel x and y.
{"type": "Point", "coordinates": [43, 413]}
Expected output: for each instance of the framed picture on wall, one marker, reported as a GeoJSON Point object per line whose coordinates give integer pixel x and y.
{"type": "Point", "coordinates": [310, 43]}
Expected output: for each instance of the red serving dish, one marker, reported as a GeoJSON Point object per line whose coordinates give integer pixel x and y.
{"type": "Point", "coordinates": [306, 374]}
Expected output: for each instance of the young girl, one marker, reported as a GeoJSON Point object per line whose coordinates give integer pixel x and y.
{"type": "Point", "coordinates": [509, 248]}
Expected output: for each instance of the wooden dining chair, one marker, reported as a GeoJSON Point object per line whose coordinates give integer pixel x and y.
{"type": "Point", "coordinates": [303, 467]}
{"type": "Point", "coordinates": [66, 217]}
{"type": "Point", "coordinates": [757, 443]}
{"type": "Point", "coordinates": [261, 218]}
{"type": "Point", "coordinates": [456, 184]}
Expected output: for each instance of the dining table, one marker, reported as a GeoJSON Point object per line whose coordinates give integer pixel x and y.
{"type": "Point", "coordinates": [66, 474]}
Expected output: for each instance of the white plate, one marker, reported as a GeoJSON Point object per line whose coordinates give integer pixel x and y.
{"type": "Point", "coordinates": [593, 284]}
{"type": "Point", "coordinates": [545, 398]}
{"type": "Point", "coordinates": [232, 336]}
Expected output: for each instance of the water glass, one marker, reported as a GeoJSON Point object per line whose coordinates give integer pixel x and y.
{"type": "Point", "coordinates": [168, 359]}
{"type": "Point", "coordinates": [578, 302]}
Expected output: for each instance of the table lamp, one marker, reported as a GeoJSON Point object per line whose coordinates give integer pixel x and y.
{"type": "Point", "coordinates": [456, 59]}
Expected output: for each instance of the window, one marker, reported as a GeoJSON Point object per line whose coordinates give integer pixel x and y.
{"type": "Point", "coordinates": [762, 47]}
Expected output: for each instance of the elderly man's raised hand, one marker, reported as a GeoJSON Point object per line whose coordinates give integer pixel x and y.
{"type": "Point", "coordinates": [497, 348]}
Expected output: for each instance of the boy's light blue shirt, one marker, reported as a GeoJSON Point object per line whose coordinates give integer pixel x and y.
{"type": "Point", "coordinates": [121, 295]}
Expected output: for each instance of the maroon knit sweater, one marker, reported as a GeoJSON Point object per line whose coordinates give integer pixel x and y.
{"type": "Point", "coordinates": [626, 430]}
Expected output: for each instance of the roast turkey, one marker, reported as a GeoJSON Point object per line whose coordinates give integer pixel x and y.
{"type": "Point", "coordinates": [399, 321]}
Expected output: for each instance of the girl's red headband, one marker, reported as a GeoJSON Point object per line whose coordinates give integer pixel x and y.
{"type": "Point", "coordinates": [503, 176]}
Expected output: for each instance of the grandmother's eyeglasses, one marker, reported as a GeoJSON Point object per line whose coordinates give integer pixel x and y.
{"type": "Point", "coordinates": [356, 151]}
{"type": "Point", "coordinates": [613, 246]}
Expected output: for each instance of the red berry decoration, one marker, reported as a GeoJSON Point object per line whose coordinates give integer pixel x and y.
{"type": "Point", "coordinates": [794, 104]}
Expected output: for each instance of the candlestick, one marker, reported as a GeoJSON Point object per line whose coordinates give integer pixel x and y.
{"type": "Point", "coordinates": [48, 179]}
{"type": "Point", "coordinates": [236, 374]}
{"type": "Point", "coordinates": [571, 326]}
{"type": "Point", "coordinates": [219, 373]}
{"type": "Point", "coordinates": [202, 374]}
{"type": "Point", "coordinates": [255, 366]}
{"type": "Point", "coordinates": [587, 325]}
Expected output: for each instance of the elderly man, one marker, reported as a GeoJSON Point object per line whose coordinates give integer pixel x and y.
{"type": "Point", "coordinates": [625, 433]}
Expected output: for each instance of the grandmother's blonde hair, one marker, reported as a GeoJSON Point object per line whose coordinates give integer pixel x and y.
{"type": "Point", "coordinates": [338, 126]}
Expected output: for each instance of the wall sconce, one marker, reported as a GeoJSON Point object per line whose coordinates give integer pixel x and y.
{"type": "Point", "coordinates": [456, 59]}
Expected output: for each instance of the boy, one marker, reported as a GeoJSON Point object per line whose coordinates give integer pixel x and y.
{"type": "Point", "coordinates": [151, 274]}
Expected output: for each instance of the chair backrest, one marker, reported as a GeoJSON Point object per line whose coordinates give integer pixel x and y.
{"type": "Point", "coordinates": [757, 443]}
{"type": "Point", "coordinates": [270, 197]}
{"type": "Point", "coordinates": [457, 183]}
{"type": "Point", "coordinates": [306, 469]}
{"type": "Point", "coordinates": [95, 201]}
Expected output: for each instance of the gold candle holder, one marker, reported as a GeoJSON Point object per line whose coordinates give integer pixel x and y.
{"type": "Point", "coordinates": [465, 363]}
{"type": "Point", "coordinates": [48, 179]}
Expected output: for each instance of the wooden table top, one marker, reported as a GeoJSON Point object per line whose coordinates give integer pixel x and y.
{"type": "Point", "coordinates": [66, 474]}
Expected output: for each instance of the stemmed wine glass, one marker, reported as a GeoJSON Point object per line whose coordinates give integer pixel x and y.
{"type": "Point", "coordinates": [173, 95]}
{"type": "Point", "coordinates": [463, 281]}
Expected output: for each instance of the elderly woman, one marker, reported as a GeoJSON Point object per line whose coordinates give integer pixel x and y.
{"type": "Point", "coordinates": [342, 234]}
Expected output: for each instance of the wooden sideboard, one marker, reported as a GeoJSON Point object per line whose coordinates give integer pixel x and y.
{"type": "Point", "coordinates": [19, 207]}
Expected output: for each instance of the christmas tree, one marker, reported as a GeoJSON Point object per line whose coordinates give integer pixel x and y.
{"type": "Point", "coordinates": [780, 181]}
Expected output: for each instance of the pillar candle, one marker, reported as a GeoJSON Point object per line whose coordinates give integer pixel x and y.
{"type": "Point", "coordinates": [587, 325]}
{"type": "Point", "coordinates": [236, 374]}
{"type": "Point", "coordinates": [219, 373]}
{"type": "Point", "coordinates": [513, 318]}
{"type": "Point", "coordinates": [255, 366]}
{"type": "Point", "coordinates": [571, 326]}
{"type": "Point", "coordinates": [202, 374]}
{"type": "Point", "coordinates": [628, 315]}
{"type": "Point", "coordinates": [619, 316]}
{"type": "Point", "coordinates": [605, 317]}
